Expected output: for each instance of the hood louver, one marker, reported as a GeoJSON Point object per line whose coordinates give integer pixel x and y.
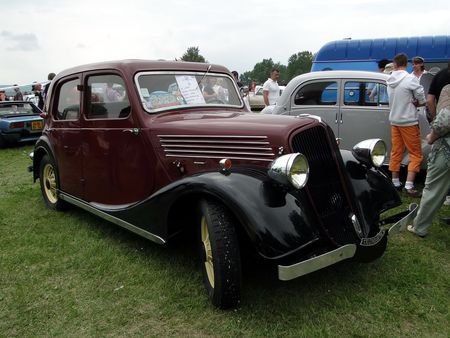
{"type": "Point", "coordinates": [251, 148]}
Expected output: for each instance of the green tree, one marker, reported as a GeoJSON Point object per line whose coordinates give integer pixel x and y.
{"type": "Point", "coordinates": [299, 63]}
{"type": "Point", "coordinates": [193, 54]}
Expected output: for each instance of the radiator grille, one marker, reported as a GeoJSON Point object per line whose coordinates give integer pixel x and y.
{"type": "Point", "coordinates": [324, 184]}
{"type": "Point", "coordinates": [253, 148]}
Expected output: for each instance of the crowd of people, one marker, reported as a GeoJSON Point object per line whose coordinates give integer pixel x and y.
{"type": "Point", "coordinates": [407, 99]}
{"type": "Point", "coordinates": [37, 95]}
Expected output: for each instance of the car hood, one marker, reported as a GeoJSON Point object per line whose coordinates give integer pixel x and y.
{"type": "Point", "coordinates": [230, 123]}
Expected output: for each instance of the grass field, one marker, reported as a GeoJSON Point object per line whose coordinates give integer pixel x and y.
{"type": "Point", "coordinates": [73, 275]}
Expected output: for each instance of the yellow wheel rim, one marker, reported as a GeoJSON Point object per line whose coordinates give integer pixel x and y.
{"type": "Point", "coordinates": [49, 179]}
{"type": "Point", "coordinates": [209, 267]}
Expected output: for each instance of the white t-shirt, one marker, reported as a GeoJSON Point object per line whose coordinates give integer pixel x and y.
{"type": "Point", "coordinates": [274, 91]}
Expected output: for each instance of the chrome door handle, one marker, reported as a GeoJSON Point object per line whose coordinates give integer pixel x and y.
{"type": "Point", "coordinates": [134, 131]}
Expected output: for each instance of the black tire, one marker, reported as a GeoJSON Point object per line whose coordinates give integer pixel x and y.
{"type": "Point", "coordinates": [48, 178]}
{"type": "Point", "coordinates": [219, 254]}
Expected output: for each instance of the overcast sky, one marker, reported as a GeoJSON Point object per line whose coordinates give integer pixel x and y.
{"type": "Point", "coordinates": [38, 37]}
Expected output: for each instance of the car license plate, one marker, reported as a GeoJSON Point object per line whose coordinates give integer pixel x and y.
{"type": "Point", "coordinates": [36, 125]}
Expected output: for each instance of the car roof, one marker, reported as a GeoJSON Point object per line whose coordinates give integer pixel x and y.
{"type": "Point", "coordinates": [336, 74]}
{"type": "Point", "coordinates": [132, 66]}
{"type": "Point", "coordinates": [344, 74]}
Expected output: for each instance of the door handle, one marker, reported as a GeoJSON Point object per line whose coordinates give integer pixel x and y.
{"type": "Point", "coordinates": [134, 131]}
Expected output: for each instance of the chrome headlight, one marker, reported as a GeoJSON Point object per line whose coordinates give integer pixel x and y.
{"type": "Point", "coordinates": [371, 152]}
{"type": "Point", "coordinates": [290, 168]}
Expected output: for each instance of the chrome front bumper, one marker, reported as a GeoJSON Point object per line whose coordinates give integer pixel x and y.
{"type": "Point", "coordinates": [288, 272]}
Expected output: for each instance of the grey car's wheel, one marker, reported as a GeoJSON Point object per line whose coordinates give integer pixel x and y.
{"type": "Point", "coordinates": [219, 254]}
{"type": "Point", "coordinates": [48, 178]}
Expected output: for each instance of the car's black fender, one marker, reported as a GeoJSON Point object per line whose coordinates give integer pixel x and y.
{"type": "Point", "coordinates": [372, 189]}
{"type": "Point", "coordinates": [275, 220]}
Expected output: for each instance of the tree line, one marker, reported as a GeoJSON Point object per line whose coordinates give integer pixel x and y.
{"type": "Point", "coordinates": [298, 63]}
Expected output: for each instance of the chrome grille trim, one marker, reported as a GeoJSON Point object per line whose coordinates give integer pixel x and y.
{"type": "Point", "coordinates": [220, 157]}
{"type": "Point", "coordinates": [236, 147]}
{"type": "Point", "coordinates": [213, 147]}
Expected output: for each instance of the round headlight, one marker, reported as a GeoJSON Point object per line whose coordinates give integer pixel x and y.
{"type": "Point", "coordinates": [299, 171]}
{"type": "Point", "coordinates": [290, 168]}
{"type": "Point", "coordinates": [378, 153]}
{"type": "Point", "coordinates": [371, 152]}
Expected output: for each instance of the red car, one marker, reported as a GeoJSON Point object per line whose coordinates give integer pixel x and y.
{"type": "Point", "coordinates": [167, 148]}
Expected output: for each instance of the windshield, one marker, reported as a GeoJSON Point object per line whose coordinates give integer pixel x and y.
{"type": "Point", "coordinates": [10, 108]}
{"type": "Point", "coordinates": [162, 91]}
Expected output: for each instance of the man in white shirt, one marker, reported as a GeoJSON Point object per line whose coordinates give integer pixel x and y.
{"type": "Point", "coordinates": [271, 91]}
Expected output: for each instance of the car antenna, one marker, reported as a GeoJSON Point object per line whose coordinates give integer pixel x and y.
{"type": "Point", "coordinates": [207, 71]}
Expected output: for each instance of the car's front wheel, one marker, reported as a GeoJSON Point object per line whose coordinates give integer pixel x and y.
{"type": "Point", "coordinates": [48, 178]}
{"type": "Point", "coordinates": [219, 254]}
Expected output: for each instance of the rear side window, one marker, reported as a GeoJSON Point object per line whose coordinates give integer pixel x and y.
{"type": "Point", "coordinates": [107, 97]}
{"type": "Point", "coordinates": [360, 93]}
{"type": "Point", "coordinates": [317, 93]}
{"type": "Point", "coordinates": [69, 101]}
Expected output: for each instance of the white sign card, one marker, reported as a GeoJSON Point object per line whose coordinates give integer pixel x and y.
{"type": "Point", "coordinates": [188, 87]}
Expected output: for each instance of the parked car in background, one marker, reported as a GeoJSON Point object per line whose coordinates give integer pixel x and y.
{"type": "Point", "coordinates": [20, 122]}
{"type": "Point", "coordinates": [146, 145]}
{"type": "Point", "coordinates": [256, 99]}
{"type": "Point", "coordinates": [353, 103]}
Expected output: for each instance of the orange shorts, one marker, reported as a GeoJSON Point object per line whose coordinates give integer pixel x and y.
{"type": "Point", "coordinates": [409, 138]}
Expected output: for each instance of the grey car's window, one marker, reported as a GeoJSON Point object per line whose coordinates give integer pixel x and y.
{"type": "Point", "coordinates": [107, 97]}
{"type": "Point", "coordinates": [362, 93]}
{"type": "Point", "coordinates": [317, 93]}
{"type": "Point", "coordinates": [69, 101]}
{"type": "Point", "coordinates": [172, 90]}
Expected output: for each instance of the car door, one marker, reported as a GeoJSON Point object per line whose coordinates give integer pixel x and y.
{"type": "Point", "coordinates": [117, 170]}
{"type": "Point", "coordinates": [364, 112]}
{"type": "Point", "coordinates": [64, 134]}
{"type": "Point", "coordinates": [318, 97]}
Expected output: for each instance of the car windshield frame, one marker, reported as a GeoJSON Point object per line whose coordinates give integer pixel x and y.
{"type": "Point", "coordinates": [175, 98]}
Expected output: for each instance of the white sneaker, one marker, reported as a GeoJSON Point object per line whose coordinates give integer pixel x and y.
{"type": "Point", "coordinates": [447, 200]}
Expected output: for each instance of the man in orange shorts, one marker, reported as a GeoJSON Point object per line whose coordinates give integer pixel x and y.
{"type": "Point", "coordinates": [405, 94]}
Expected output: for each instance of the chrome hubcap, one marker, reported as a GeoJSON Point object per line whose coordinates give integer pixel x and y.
{"type": "Point", "coordinates": [49, 179]}
{"type": "Point", "coordinates": [209, 267]}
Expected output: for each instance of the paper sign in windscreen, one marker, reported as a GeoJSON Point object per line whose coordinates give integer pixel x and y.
{"type": "Point", "coordinates": [189, 89]}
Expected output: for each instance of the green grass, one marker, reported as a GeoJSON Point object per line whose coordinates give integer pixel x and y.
{"type": "Point", "coordinates": [73, 275]}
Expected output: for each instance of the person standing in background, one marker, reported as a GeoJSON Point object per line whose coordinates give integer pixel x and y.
{"type": "Point", "coordinates": [271, 90]}
{"type": "Point", "coordinates": [437, 182]}
{"type": "Point", "coordinates": [440, 80]}
{"type": "Point", "coordinates": [37, 88]}
{"type": "Point", "coordinates": [18, 96]}
{"type": "Point", "coordinates": [50, 77]}
{"type": "Point", "coordinates": [418, 67]}
{"type": "Point", "coordinates": [405, 94]}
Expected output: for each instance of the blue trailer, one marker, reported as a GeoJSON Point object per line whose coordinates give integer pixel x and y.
{"type": "Point", "coordinates": [364, 54]}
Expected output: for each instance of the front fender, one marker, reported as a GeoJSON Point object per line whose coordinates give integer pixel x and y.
{"type": "Point", "coordinates": [41, 148]}
{"type": "Point", "coordinates": [276, 222]}
{"type": "Point", "coordinates": [372, 189]}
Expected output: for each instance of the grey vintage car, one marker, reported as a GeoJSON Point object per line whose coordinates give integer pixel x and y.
{"type": "Point", "coordinates": [353, 103]}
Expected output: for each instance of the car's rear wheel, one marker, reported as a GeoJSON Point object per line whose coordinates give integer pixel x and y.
{"type": "Point", "coordinates": [219, 255]}
{"type": "Point", "coordinates": [48, 178]}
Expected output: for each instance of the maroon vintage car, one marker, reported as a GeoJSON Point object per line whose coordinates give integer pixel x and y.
{"type": "Point", "coordinates": [165, 148]}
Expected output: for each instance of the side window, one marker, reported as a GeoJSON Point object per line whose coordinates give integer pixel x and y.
{"type": "Point", "coordinates": [317, 93]}
{"type": "Point", "coordinates": [69, 101]}
{"type": "Point", "coordinates": [107, 97]}
{"type": "Point", "coordinates": [358, 93]}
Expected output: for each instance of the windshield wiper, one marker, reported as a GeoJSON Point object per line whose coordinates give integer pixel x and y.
{"type": "Point", "coordinates": [203, 77]}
